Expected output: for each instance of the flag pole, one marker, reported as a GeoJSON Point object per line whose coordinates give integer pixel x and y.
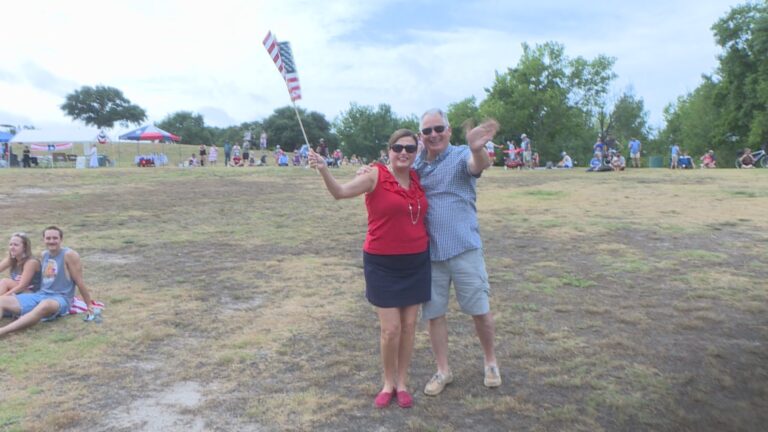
{"type": "Point", "coordinates": [301, 125]}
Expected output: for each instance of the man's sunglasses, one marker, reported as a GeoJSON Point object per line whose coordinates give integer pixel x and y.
{"type": "Point", "coordinates": [398, 148]}
{"type": "Point", "coordinates": [428, 131]}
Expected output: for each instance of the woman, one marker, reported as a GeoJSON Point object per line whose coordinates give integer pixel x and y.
{"type": "Point", "coordinates": [213, 155]}
{"type": "Point", "coordinates": [203, 152]}
{"type": "Point", "coordinates": [94, 157]}
{"type": "Point", "coordinates": [708, 160]}
{"type": "Point", "coordinates": [396, 254]}
{"type": "Point", "coordinates": [25, 268]}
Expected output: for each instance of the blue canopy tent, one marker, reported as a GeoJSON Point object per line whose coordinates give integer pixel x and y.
{"type": "Point", "coordinates": [4, 138]}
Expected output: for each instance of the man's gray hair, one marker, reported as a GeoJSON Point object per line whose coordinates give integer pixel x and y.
{"type": "Point", "coordinates": [434, 111]}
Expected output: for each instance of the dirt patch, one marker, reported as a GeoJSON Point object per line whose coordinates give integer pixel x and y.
{"type": "Point", "coordinates": [171, 409]}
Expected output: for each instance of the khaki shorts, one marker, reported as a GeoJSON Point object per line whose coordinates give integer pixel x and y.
{"type": "Point", "coordinates": [470, 280]}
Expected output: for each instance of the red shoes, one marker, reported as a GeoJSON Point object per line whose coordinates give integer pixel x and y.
{"type": "Point", "coordinates": [384, 398]}
{"type": "Point", "coordinates": [404, 399]}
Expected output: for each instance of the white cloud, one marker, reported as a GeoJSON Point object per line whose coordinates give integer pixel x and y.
{"type": "Point", "coordinates": [172, 55]}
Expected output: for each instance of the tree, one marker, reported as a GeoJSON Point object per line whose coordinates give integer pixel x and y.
{"type": "Point", "coordinates": [102, 107]}
{"type": "Point", "coordinates": [692, 121]}
{"type": "Point", "coordinates": [551, 98]}
{"type": "Point", "coordinates": [191, 127]}
{"type": "Point", "coordinates": [729, 109]}
{"type": "Point", "coordinates": [283, 129]}
{"type": "Point", "coordinates": [458, 114]}
{"type": "Point", "coordinates": [365, 132]}
{"type": "Point", "coordinates": [628, 119]}
{"type": "Point", "coordinates": [742, 92]}
{"type": "Point", "coordinates": [234, 134]}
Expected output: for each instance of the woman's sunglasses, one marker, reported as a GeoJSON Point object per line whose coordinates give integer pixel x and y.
{"type": "Point", "coordinates": [437, 129]}
{"type": "Point", "coordinates": [398, 148]}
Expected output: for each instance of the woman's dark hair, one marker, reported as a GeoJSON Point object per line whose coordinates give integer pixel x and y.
{"type": "Point", "coordinates": [400, 133]}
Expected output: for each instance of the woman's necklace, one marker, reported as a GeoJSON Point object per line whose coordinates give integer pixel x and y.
{"type": "Point", "coordinates": [418, 212]}
{"type": "Point", "coordinates": [410, 206]}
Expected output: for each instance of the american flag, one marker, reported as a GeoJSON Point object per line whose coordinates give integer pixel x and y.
{"type": "Point", "coordinates": [291, 77]}
{"type": "Point", "coordinates": [270, 43]}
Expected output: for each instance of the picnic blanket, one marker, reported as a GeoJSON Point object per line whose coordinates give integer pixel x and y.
{"type": "Point", "coordinates": [79, 306]}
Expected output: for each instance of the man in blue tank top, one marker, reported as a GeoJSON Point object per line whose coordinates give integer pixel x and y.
{"type": "Point", "coordinates": [62, 271]}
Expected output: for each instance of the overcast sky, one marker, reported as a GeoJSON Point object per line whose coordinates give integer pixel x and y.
{"type": "Point", "coordinates": [174, 55]}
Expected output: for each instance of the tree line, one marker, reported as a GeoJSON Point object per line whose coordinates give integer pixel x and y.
{"type": "Point", "coordinates": [563, 103]}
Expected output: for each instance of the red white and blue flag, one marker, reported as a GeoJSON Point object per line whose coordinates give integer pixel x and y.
{"type": "Point", "coordinates": [282, 56]}
{"type": "Point", "coordinates": [102, 138]}
{"type": "Point", "coordinates": [291, 77]}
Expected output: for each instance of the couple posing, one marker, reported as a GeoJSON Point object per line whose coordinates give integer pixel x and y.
{"type": "Point", "coordinates": [40, 290]}
{"type": "Point", "coordinates": [404, 267]}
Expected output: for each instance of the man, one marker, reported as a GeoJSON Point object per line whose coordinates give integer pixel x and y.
{"type": "Point", "coordinates": [61, 272]}
{"type": "Point", "coordinates": [618, 163]}
{"type": "Point", "coordinates": [246, 152]}
{"type": "Point", "coordinates": [448, 176]}
{"type": "Point", "coordinates": [322, 148]}
{"type": "Point", "coordinates": [634, 152]}
{"type": "Point", "coordinates": [227, 153]}
{"type": "Point", "coordinates": [525, 144]}
{"type": "Point", "coordinates": [674, 156]}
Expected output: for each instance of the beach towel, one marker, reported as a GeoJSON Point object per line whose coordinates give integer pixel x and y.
{"type": "Point", "coordinates": [79, 306]}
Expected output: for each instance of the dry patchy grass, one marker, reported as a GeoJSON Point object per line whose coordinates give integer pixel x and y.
{"type": "Point", "coordinates": [235, 301]}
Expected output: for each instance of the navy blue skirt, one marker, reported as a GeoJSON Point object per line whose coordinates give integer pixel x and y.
{"type": "Point", "coordinates": [397, 280]}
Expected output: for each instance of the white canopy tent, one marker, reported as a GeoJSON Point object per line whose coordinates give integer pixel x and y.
{"type": "Point", "coordinates": [59, 140]}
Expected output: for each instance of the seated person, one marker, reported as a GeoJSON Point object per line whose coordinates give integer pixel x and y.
{"type": "Point", "coordinates": [686, 161]}
{"type": "Point", "coordinates": [282, 160]}
{"type": "Point", "coordinates": [566, 161]}
{"type": "Point", "coordinates": [618, 163]}
{"type": "Point", "coordinates": [62, 272]}
{"type": "Point", "coordinates": [24, 267]}
{"type": "Point", "coordinates": [746, 160]}
{"type": "Point", "coordinates": [596, 163]}
{"type": "Point", "coordinates": [236, 161]}
{"type": "Point", "coordinates": [192, 161]}
{"type": "Point", "coordinates": [708, 160]}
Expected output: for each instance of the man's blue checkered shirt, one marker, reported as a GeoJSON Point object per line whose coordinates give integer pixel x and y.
{"type": "Point", "coordinates": [452, 215]}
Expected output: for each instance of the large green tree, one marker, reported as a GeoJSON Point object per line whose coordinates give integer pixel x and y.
{"type": "Point", "coordinates": [628, 119]}
{"type": "Point", "coordinates": [190, 126]}
{"type": "Point", "coordinates": [365, 130]}
{"type": "Point", "coordinates": [742, 92]}
{"type": "Point", "coordinates": [552, 98]}
{"type": "Point", "coordinates": [102, 106]}
{"type": "Point", "coordinates": [729, 109]}
{"type": "Point", "coordinates": [458, 114]}
{"type": "Point", "coordinates": [283, 129]}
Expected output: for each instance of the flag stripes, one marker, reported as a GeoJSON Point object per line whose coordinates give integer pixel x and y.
{"type": "Point", "coordinates": [282, 56]}
{"type": "Point", "coordinates": [270, 43]}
